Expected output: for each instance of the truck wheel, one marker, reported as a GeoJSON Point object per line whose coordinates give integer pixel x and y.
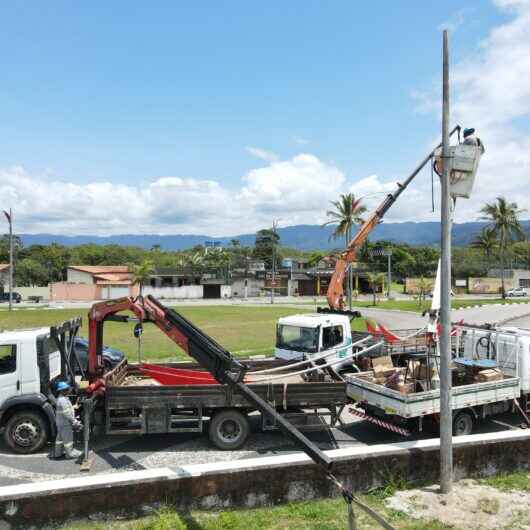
{"type": "Point", "coordinates": [26, 432]}
{"type": "Point", "coordinates": [463, 423]}
{"type": "Point", "coordinates": [228, 430]}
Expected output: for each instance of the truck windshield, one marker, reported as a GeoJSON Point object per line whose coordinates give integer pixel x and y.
{"type": "Point", "coordinates": [297, 338]}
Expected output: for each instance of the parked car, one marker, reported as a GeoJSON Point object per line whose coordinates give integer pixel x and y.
{"type": "Point", "coordinates": [517, 291]}
{"type": "Point", "coordinates": [111, 356]}
{"type": "Point", "coordinates": [17, 298]}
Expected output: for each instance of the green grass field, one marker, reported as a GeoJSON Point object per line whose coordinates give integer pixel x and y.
{"type": "Point", "coordinates": [321, 514]}
{"type": "Point", "coordinates": [312, 515]}
{"type": "Point", "coordinates": [413, 305]}
{"type": "Point", "coordinates": [244, 331]}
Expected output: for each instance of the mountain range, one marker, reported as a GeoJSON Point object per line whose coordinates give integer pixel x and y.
{"type": "Point", "coordinates": [302, 237]}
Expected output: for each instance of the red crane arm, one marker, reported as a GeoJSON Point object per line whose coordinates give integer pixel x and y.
{"type": "Point", "coordinates": [143, 309]}
{"type": "Point", "coordinates": [335, 294]}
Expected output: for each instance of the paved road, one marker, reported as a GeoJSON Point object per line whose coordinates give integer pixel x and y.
{"type": "Point", "coordinates": [121, 453]}
{"type": "Point", "coordinates": [130, 452]}
{"type": "Point", "coordinates": [486, 314]}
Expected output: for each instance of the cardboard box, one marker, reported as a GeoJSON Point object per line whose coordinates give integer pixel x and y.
{"type": "Point", "coordinates": [406, 388]}
{"type": "Point", "coordinates": [382, 365]}
{"type": "Point", "coordinates": [492, 374]}
{"type": "Point", "coordinates": [422, 372]}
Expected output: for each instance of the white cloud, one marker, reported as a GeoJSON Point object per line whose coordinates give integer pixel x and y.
{"type": "Point", "coordinates": [44, 205]}
{"type": "Point", "coordinates": [296, 190]}
{"type": "Point", "coordinates": [299, 140]}
{"type": "Point", "coordinates": [490, 91]}
{"type": "Point", "coordinates": [371, 185]}
{"type": "Point", "coordinates": [264, 154]}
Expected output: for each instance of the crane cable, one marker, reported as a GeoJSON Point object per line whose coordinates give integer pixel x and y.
{"type": "Point", "coordinates": [305, 361]}
{"type": "Point", "coordinates": [351, 499]}
{"type": "Point", "coordinates": [319, 366]}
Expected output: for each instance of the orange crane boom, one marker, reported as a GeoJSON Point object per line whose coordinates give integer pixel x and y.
{"type": "Point", "coordinates": [335, 294]}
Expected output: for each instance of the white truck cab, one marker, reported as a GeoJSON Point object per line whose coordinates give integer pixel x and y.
{"type": "Point", "coordinates": [300, 337]}
{"type": "Point", "coordinates": [29, 361]}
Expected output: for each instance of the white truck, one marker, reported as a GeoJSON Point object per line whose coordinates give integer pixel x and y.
{"type": "Point", "coordinates": [325, 336]}
{"type": "Point", "coordinates": [508, 350]}
{"type": "Point", "coordinates": [31, 361]}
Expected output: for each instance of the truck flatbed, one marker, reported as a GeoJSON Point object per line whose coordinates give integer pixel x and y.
{"type": "Point", "coordinates": [394, 403]}
{"type": "Point", "coordinates": [133, 406]}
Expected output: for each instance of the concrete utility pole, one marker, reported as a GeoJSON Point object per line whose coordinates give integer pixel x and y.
{"type": "Point", "coordinates": [446, 415]}
{"type": "Point", "coordinates": [9, 217]}
{"type": "Point", "coordinates": [273, 277]}
{"type": "Point", "coordinates": [349, 283]}
{"type": "Point", "coordinates": [388, 253]}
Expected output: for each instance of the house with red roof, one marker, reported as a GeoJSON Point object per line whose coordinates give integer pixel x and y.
{"type": "Point", "coordinates": [95, 282]}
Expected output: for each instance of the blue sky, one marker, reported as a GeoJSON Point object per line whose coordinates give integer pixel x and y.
{"type": "Point", "coordinates": [126, 94]}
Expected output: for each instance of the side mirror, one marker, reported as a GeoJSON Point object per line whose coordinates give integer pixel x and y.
{"type": "Point", "coordinates": [138, 330]}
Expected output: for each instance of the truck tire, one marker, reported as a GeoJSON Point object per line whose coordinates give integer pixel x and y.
{"type": "Point", "coordinates": [463, 423]}
{"type": "Point", "coordinates": [26, 432]}
{"type": "Point", "coordinates": [228, 430]}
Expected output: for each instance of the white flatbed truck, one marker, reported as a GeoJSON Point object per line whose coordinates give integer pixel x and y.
{"type": "Point", "coordinates": [325, 336]}
{"type": "Point", "coordinates": [31, 360]}
{"type": "Point", "coordinates": [509, 350]}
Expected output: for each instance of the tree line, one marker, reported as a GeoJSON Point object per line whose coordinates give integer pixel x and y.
{"type": "Point", "coordinates": [501, 244]}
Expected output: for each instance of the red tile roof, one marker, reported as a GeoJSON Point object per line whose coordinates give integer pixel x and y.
{"type": "Point", "coordinates": [113, 282]}
{"type": "Point", "coordinates": [113, 277]}
{"type": "Point", "coordinates": [100, 269]}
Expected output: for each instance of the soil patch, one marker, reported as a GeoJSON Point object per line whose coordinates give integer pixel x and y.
{"type": "Point", "coordinates": [470, 506]}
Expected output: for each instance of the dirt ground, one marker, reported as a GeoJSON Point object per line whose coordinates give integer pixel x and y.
{"type": "Point", "coordinates": [470, 506]}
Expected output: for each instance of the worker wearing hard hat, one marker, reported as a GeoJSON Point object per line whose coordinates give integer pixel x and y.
{"type": "Point", "coordinates": [471, 139]}
{"type": "Point", "coordinates": [66, 422]}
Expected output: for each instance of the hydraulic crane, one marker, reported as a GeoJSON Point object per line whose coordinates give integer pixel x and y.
{"type": "Point", "coordinates": [198, 345]}
{"type": "Point", "coordinates": [335, 294]}
{"type": "Point", "coordinates": [211, 356]}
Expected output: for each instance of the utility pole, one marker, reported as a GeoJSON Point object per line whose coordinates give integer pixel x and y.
{"type": "Point", "coordinates": [273, 277]}
{"type": "Point", "coordinates": [446, 416]}
{"type": "Point", "coordinates": [9, 217]}
{"type": "Point", "coordinates": [349, 283]}
{"type": "Point", "coordinates": [388, 253]}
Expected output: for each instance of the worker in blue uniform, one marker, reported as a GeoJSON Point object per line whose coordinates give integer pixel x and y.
{"type": "Point", "coordinates": [470, 138]}
{"type": "Point", "coordinates": [66, 423]}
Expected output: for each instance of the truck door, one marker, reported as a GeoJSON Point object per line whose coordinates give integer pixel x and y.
{"type": "Point", "coordinates": [9, 371]}
{"type": "Point", "coordinates": [334, 340]}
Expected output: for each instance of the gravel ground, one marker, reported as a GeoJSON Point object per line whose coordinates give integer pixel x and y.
{"type": "Point", "coordinates": [470, 506]}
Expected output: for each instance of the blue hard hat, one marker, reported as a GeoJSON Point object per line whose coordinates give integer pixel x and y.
{"type": "Point", "coordinates": [62, 385]}
{"type": "Point", "coordinates": [468, 132]}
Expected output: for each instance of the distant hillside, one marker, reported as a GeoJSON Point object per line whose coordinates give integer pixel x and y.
{"type": "Point", "coordinates": [302, 237]}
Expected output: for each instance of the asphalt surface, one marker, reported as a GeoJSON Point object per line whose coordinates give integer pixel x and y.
{"type": "Point", "coordinates": [125, 453]}
{"type": "Point", "coordinates": [120, 453]}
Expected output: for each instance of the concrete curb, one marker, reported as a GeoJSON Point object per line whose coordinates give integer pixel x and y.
{"type": "Point", "coordinates": [260, 481]}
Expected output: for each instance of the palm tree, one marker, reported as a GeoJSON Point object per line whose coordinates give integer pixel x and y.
{"type": "Point", "coordinates": [375, 279]}
{"type": "Point", "coordinates": [504, 219]}
{"type": "Point", "coordinates": [142, 272]}
{"type": "Point", "coordinates": [348, 211]}
{"type": "Point", "coordinates": [486, 241]}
